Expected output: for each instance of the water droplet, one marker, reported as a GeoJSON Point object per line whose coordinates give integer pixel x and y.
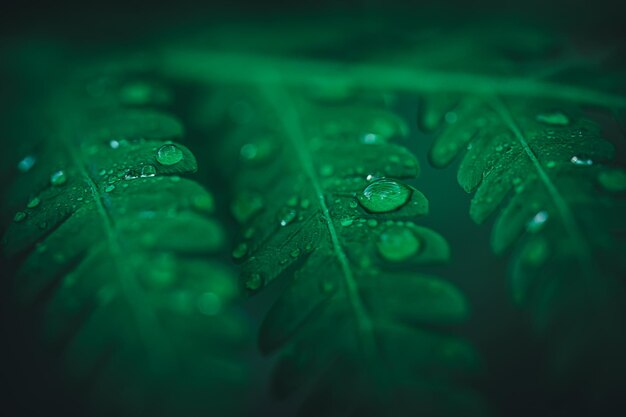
{"type": "Point", "coordinates": [169, 154]}
{"type": "Point", "coordinates": [499, 148]}
{"type": "Point", "coordinates": [372, 222]}
{"type": "Point", "coordinates": [371, 139]}
{"type": "Point", "coordinates": [581, 161]}
{"type": "Point", "coordinates": [550, 164]}
{"type": "Point", "coordinates": [613, 180]}
{"type": "Point", "coordinates": [43, 225]}
{"type": "Point", "coordinates": [248, 151]}
{"type": "Point", "coordinates": [287, 215]}
{"type": "Point", "coordinates": [109, 188]}
{"type": "Point", "coordinates": [537, 222]}
{"type": "Point", "coordinates": [240, 250]}
{"type": "Point", "coordinates": [555, 118]}
{"type": "Point", "coordinates": [293, 201]}
{"type": "Point", "coordinates": [295, 253]}
{"type": "Point", "coordinates": [58, 178]}
{"type": "Point", "coordinates": [114, 144]}
{"type": "Point", "coordinates": [33, 203]}
{"type": "Point", "coordinates": [254, 282]}
{"type": "Point", "coordinates": [353, 204]}
{"type": "Point", "coordinates": [209, 303]}
{"type": "Point", "coordinates": [346, 222]}
{"type": "Point", "coordinates": [305, 203]}
{"type": "Point", "coordinates": [19, 216]}
{"type": "Point", "coordinates": [384, 195]}
{"type": "Point", "coordinates": [397, 244]}
{"type": "Point", "coordinates": [451, 117]}
{"type": "Point", "coordinates": [26, 164]}
{"type": "Point", "coordinates": [148, 171]}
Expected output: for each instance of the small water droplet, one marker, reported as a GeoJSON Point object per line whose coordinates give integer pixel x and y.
{"type": "Point", "coordinates": [58, 178]}
{"type": "Point", "coordinates": [209, 303]}
{"type": "Point", "coordinates": [581, 161]}
{"type": "Point", "coordinates": [148, 171]}
{"type": "Point", "coordinates": [346, 222]}
{"type": "Point", "coordinates": [19, 216]}
{"type": "Point", "coordinates": [613, 180]}
{"type": "Point", "coordinates": [254, 282]}
{"type": "Point", "coordinates": [293, 201]}
{"type": "Point", "coordinates": [33, 203]}
{"type": "Point", "coordinates": [353, 204]}
{"type": "Point", "coordinates": [305, 203]}
{"type": "Point", "coordinates": [397, 244]}
{"type": "Point", "coordinates": [371, 139]}
{"type": "Point", "coordinates": [109, 188]}
{"type": "Point", "coordinates": [555, 118]}
{"type": "Point", "coordinates": [499, 148]}
{"type": "Point", "coordinates": [43, 225]}
{"type": "Point", "coordinates": [537, 222]}
{"type": "Point", "coordinates": [384, 195]}
{"type": "Point", "coordinates": [26, 163]}
{"type": "Point", "coordinates": [550, 164]}
{"type": "Point", "coordinates": [240, 250]}
{"type": "Point", "coordinates": [451, 117]}
{"type": "Point", "coordinates": [169, 154]}
{"type": "Point", "coordinates": [372, 222]}
{"type": "Point", "coordinates": [114, 144]}
{"type": "Point", "coordinates": [287, 216]}
{"type": "Point", "coordinates": [295, 253]}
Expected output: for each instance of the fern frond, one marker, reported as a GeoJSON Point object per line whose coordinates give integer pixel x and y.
{"type": "Point", "coordinates": [322, 195]}
{"type": "Point", "coordinates": [549, 170]}
{"type": "Point", "coordinates": [117, 272]}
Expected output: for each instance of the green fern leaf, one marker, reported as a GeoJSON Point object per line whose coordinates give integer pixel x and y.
{"type": "Point", "coordinates": [322, 195]}
{"type": "Point", "coordinates": [549, 169]}
{"type": "Point", "coordinates": [116, 266]}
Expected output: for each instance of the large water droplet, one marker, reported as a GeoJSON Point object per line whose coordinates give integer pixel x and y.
{"type": "Point", "coordinates": [58, 178]}
{"type": "Point", "coordinates": [581, 161]}
{"type": "Point", "coordinates": [26, 164]}
{"type": "Point", "coordinates": [169, 154]}
{"type": "Point", "coordinates": [209, 303]}
{"type": "Point", "coordinates": [397, 244]}
{"type": "Point", "coordinates": [613, 180]}
{"type": "Point", "coordinates": [536, 223]}
{"type": "Point", "coordinates": [555, 118]}
{"type": "Point", "coordinates": [384, 195]}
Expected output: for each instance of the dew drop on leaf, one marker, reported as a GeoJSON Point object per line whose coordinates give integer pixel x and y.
{"type": "Point", "coordinates": [553, 118]}
{"type": "Point", "coordinates": [33, 203]}
{"type": "Point", "coordinates": [295, 253]}
{"type": "Point", "coordinates": [536, 223]}
{"type": "Point", "coordinates": [287, 215]}
{"type": "Point", "coordinates": [254, 282]}
{"type": "Point", "coordinates": [550, 164]}
{"type": "Point", "coordinates": [209, 303]}
{"type": "Point", "coordinates": [398, 243]}
{"type": "Point", "coordinates": [346, 222]}
{"type": "Point", "coordinates": [384, 195]}
{"type": "Point", "coordinates": [240, 250]}
{"type": "Point", "coordinates": [114, 144]}
{"type": "Point", "coordinates": [613, 180]}
{"type": "Point", "coordinates": [58, 178]}
{"type": "Point", "coordinates": [109, 188]}
{"type": "Point", "coordinates": [19, 216]}
{"type": "Point", "coordinates": [451, 117]}
{"type": "Point", "coordinates": [26, 164]}
{"type": "Point", "coordinates": [581, 161]}
{"type": "Point", "coordinates": [148, 171]}
{"type": "Point", "coordinates": [169, 154]}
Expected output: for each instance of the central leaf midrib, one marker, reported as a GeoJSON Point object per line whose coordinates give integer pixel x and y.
{"type": "Point", "coordinates": [560, 203]}
{"type": "Point", "coordinates": [292, 125]}
{"type": "Point", "coordinates": [150, 331]}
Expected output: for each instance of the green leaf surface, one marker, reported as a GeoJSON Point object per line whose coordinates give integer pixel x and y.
{"type": "Point", "coordinates": [324, 197]}
{"type": "Point", "coordinates": [117, 267]}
